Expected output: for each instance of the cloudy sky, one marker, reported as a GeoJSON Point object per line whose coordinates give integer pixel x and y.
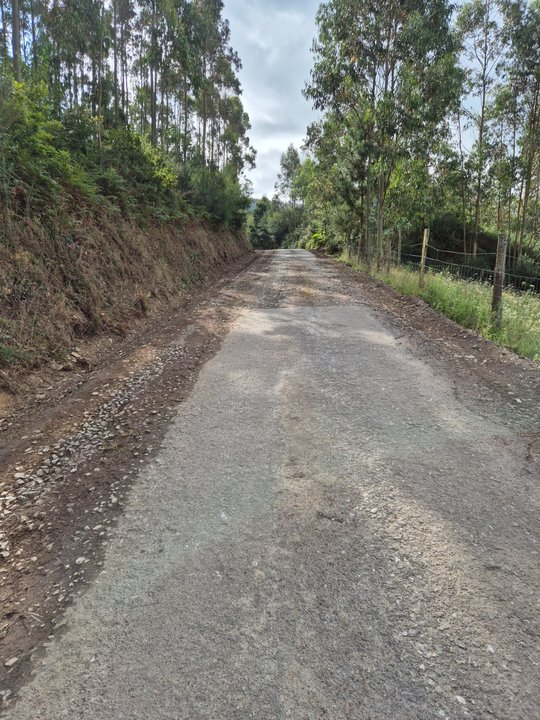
{"type": "Point", "coordinates": [273, 39]}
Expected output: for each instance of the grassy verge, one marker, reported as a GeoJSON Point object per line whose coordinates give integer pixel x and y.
{"type": "Point", "coordinates": [469, 304]}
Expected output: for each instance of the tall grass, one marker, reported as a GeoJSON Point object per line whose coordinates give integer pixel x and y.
{"type": "Point", "coordinates": [469, 304]}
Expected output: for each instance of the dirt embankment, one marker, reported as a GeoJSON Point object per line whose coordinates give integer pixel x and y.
{"type": "Point", "coordinates": [94, 274]}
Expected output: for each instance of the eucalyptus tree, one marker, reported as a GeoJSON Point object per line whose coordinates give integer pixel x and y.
{"type": "Point", "coordinates": [289, 168]}
{"type": "Point", "coordinates": [16, 39]}
{"type": "Point", "coordinates": [505, 131]}
{"type": "Point", "coordinates": [393, 67]}
{"type": "Point", "coordinates": [163, 67]}
{"type": "Point", "coordinates": [522, 68]}
{"type": "Point", "coordinates": [235, 149]}
{"type": "Point", "coordinates": [480, 36]}
{"type": "Point", "coordinates": [4, 52]}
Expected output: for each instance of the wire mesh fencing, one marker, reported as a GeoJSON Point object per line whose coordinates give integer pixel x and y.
{"type": "Point", "coordinates": [471, 273]}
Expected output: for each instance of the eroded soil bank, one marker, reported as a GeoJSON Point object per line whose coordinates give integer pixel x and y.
{"type": "Point", "coordinates": [59, 287]}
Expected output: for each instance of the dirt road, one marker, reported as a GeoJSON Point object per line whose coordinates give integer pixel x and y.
{"type": "Point", "coordinates": [341, 522]}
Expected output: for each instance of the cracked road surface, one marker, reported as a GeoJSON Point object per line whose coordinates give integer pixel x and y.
{"type": "Point", "coordinates": [328, 531]}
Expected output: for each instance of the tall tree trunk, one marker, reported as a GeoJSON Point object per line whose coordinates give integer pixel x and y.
{"type": "Point", "coordinates": [125, 96]}
{"type": "Point", "coordinates": [368, 217]}
{"type": "Point", "coordinates": [186, 118]}
{"type": "Point", "coordinates": [530, 153]}
{"type": "Point", "coordinates": [481, 130]}
{"type": "Point", "coordinates": [162, 104]}
{"type": "Point", "coordinates": [516, 252]}
{"type": "Point", "coordinates": [115, 61]}
{"type": "Point", "coordinates": [204, 118]}
{"type": "Point", "coordinates": [204, 122]}
{"type": "Point", "coordinates": [76, 84]}
{"type": "Point", "coordinates": [70, 85]}
{"type": "Point", "coordinates": [142, 102]}
{"type": "Point", "coordinates": [123, 68]}
{"type": "Point", "coordinates": [101, 110]}
{"type": "Point", "coordinates": [380, 217]}
{"type": "Point", "coordinates": [16, 39]}
{"type": "Point", "coordinates": [510, 190]}
{"type": "Point", "coordinates": [212, 142]}
{"type": "Point", "coordinates": [536, 206]}
{"type": "Point", "coordinates": [361, 244]}
{"type": "Point", "coordinates": [479, 171]}
{"type": "Point", "coordinates": [153, 78]}
{"type": "Point", "coordinates": [33, 30]}
{"type": "Point", "coordinates": [4, 41]}
{"type": "Point", "coordinates": [94, 85]}
{"type": "Point", "coordinates": [463, 186]}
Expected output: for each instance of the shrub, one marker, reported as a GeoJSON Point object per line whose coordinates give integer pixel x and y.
{"type": "Point", "coordinates": [216, 196]}
{"type": "Point", "coordinates": [47, 163]}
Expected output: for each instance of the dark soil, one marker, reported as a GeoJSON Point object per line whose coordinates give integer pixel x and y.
{"type": "Point", "coordinates": [102, 419]}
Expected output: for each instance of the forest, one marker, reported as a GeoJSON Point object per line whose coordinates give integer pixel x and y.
{"type": "Point", "coordinates": [429, 118]}
{"type": "Point", "coordinates": [123, 146]}
{"type": "Point", "coordinates": [137, 103]}
{"type": "Point", "coordinates": [123, 122]}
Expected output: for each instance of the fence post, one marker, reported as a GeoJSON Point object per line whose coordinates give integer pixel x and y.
{"type": "Point", "coordinates": [388, 253]}
{"type": "Point", "coordinates": [498, 281]}
{"type": "Point", "coordinates": [422, 279]}
{"type": "Point", "coordinates": [399, 247]}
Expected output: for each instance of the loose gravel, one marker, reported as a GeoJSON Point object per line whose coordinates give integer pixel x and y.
{"type": "Point", "coordinates": [341, 521]}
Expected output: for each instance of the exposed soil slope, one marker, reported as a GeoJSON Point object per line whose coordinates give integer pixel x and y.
{"type": "Point", "coordinates": [95, 273]}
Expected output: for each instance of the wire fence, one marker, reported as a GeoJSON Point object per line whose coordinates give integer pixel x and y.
{"type": "Point", "coordinates": [469, 272]}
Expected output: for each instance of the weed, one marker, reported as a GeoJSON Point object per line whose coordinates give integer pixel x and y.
{"type": "Point", "coordinates": [8, 355]}
{"type": "Point", "coordinates": [469, 304]}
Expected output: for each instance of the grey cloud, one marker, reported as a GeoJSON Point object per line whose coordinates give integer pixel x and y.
{"type": "Point", "coordinates": [273, 39]}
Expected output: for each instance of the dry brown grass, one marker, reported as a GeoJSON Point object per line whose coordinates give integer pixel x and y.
{"type": "Point", "coordinates": [93, 272]}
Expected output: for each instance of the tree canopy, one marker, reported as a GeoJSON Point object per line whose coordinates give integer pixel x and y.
{"type": "Point", "coordinates": [430, 117]}
{"type": "Point", "coordinates": [125, 90]}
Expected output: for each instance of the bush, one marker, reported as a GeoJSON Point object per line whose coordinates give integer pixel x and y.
{"type": "Point", "coordinates": [48, 163]}
{"type": "Point", "coordinates": [215, 196]}
{"type": "Point", "coordinates": [7, 355]}
{"type": "Point", "coordinates": [527, 267]}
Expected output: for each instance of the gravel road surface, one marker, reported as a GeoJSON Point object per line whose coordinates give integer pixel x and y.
{"type": "Point", "coordinates": [328, 531]}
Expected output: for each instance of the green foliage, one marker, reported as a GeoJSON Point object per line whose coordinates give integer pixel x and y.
{"type": "Point", "coordinates": [8, 355]}
{"type": "Point", "coordinates": [141, 178]}
{"type": "Point", "coordinates": [286, 185]}
{"type": "Point", "coordinates": [402, 90]}
{"type": "Point", "coordinates": [469, 304]}
{"type": "Point", "coordinates": [274, 224]}
{"type": "Point", "coordinates": [384, 101]}
{"type": "Point", "coordinates": [35, 168]}
{"type": "Point", "coordinates": [48, 165]}
{"type": "Point", "coordinates": [132, 105]}
{"type": "Point", "coordinates": [259, 234]}
{"type": "Point", "coordinates": [216, 196]}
